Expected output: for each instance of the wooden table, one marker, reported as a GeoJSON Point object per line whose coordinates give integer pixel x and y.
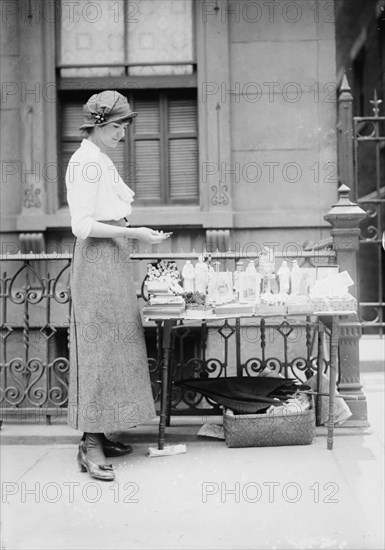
{"type": "Point", "coordinates": [330, 319]}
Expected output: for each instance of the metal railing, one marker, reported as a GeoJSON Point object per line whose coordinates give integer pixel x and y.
{"type": "Point", "coordinates": [35, 322]}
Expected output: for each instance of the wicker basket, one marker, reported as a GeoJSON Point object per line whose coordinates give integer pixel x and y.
{"type": "Point", "coordinates": [267, 430]}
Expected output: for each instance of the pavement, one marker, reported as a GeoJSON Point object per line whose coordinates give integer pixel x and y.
{"type": "Point", "coordinates": [372, 353]}
{"type": "Point", "coordinates": [211, 497]}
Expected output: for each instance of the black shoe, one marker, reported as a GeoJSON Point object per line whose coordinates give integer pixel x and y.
{"type": "Point", "coordinates": [115, 448]}
{"type": "Point", "coordinates": [98, 471]}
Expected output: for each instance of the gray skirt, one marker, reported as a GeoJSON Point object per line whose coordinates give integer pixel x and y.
{"type": "Point", "coordinates": [109, 386]}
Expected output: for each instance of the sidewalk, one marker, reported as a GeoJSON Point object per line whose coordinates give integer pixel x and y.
{"type": "Point", "coordinates": [212, 497]}
{"type": "Point", "coordinates": [372, 353]}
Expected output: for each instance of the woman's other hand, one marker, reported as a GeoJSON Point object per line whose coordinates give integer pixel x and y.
{"type": "Point", "coordinates": [150, 236]}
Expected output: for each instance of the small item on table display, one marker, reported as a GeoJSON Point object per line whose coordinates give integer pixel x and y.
{"type": "Point", "coordinates": [164, 272]}
{"type": "Point", "coordinates": [249, 284]}
{"type": "Point", "coordinates": [331, 293]}
{"type": "Point", "coordinates": [163, 312]}
{"type": "Point", "coordinates": [223, 290]}
{"type": "Point", "coordinates": [165, 300]}
{"type": "Point", "coordinates": [157, 287]}
{"type": "Point", "coordinates": [201, 275]}
{"type": "Point", "coordinates": [308, 278]}
{"type": "Point", "coordinates": [295, 278]}
{"type": "Point", "coordinates": [284, 278]}
{"type": "Point", "coordinates": [266, 267]}
{"type": "Point", "coordinates": [194, 298]}
{"type": "Point", "coordinates": [196, 307]}
{"type": "Point", "coordinates": [238, 270]}
{"type": "Point", "coordinates": [212, 277]}
{"type": "Point", "coordinates": [163, 289]}
{"type": "Point", "coordinates": [188, 275]}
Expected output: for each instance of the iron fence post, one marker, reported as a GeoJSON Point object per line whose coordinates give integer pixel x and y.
{"type": "Point", "coordinates": [345, 136]}
{"type": "Point", "coordinates": [344, 217]}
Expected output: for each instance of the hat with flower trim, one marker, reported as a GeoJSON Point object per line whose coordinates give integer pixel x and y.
{"type": "Point", "coordinates": [105, 107]}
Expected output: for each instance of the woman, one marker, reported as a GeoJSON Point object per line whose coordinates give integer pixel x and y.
{"type": "Point", "coordinates": [109, 387]}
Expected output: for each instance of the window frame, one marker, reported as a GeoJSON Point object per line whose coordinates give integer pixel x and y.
{"type": "Point", "coordinates": [141, 82]}
{"type": "Point", "coordinates": [163, 96]}
{"type": "Point", "coordinates": [80, 88]}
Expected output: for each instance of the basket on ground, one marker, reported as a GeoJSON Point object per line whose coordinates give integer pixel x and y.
{"type": "Point", "coordinates": [284, 427]}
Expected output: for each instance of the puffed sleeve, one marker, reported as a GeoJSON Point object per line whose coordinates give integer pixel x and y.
{"type": "Point", "coordinates": [82, 179]}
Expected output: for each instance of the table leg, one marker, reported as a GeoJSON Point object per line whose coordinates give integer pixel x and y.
{"type": "Point", "coordinates": [167, 327]}
{"type": "Point", "coordinates": [169, 377]}
{"type": "Point", "coordinates": [334, 340]}
{"type": "Point", "coordinates": [320, 363]}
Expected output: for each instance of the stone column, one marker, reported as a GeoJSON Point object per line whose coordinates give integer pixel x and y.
{"type": "Point", "coordinates": [38, 116]}
{"type": "Point", "coordinates": [344, 218]}
{"type": "Point", "coordinates": [215, 94]}
{"type": "Point", "coordinates": [31, 105]}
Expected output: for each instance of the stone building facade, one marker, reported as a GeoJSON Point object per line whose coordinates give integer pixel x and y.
{"type": "Point", "coordinates": [258, 79]}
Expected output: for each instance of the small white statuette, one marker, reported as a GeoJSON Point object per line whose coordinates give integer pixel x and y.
{"type": "Point", "coordinates": [284, 278]}
{"type": "Point", "coordinates": [188, 274]}
{"type": "Point", "coordinates": [201, 275]}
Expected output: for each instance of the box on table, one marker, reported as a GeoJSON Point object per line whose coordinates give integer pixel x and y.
{"type": "Point", "coordinates": [269, 430]}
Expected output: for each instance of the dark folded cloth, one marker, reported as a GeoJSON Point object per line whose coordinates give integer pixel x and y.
{"type": "Point", "coordinates": [247, 395]}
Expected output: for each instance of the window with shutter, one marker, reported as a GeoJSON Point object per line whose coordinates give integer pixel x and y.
{"type": "Point", "coordinates": [145, 50]}
{"type": "Point", "coordinates": [158, 158]}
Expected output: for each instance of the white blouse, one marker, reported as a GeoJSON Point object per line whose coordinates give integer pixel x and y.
{"type": "Point", "coordinates": [95, 191]}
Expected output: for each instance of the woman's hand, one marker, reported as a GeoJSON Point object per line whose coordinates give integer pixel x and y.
{"type": "Point", "coordinates": [150, 236]}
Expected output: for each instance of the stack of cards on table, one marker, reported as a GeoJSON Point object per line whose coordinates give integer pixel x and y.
{"type": "Point", "coordinates": [163, 304]}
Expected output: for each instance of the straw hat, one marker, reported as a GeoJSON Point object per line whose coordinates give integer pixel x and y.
{"type": "Point", "coordinates": [105, 107]}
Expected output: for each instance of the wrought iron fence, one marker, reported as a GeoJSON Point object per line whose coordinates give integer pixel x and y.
{"type": "Point", "coordinates": [35, 316]}
{"type": "Point", "coordinates": [34, 330]}
{"type": "Point", "coordinates": [369, 193]}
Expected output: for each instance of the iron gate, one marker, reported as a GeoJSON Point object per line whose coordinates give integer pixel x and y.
{"type": "Point", "coordinates": [361, 166]}
{"type": "Point", "coordinates": [369, 193]}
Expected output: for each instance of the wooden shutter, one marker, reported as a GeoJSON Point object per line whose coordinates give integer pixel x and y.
{"type": "Point", "coordinates": [146, 151]}
{"type": "Point", "coordinates": [183, 150]}
{"type": "Point", "coordinates": [183, 170]}
{"type": "Point", "coordinates": [71, 119]}
{"type": "Point", "coordinates": [182, 116]}
{"type": "Point", "coordinates": [147, 171]}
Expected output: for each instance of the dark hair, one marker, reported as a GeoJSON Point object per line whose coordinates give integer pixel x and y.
{"type": "Point", "coordinates": [88, 131]}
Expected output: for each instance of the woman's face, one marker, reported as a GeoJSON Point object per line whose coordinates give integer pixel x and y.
{"type": "Point", "coordinates": [109, 135]}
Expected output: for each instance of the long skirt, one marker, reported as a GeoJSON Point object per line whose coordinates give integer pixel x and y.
{"type": "Point", "coordinates": [109, 387]}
